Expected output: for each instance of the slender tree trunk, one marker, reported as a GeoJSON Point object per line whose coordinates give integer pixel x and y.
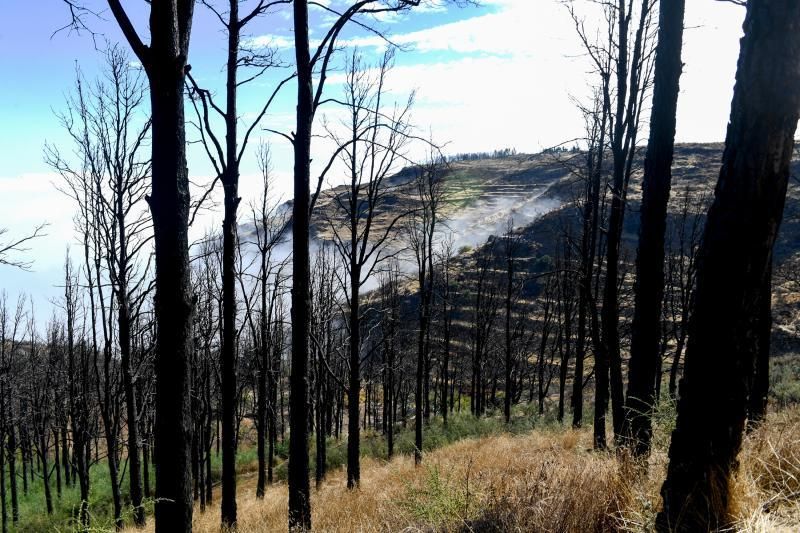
{"type": "Point", "coordinates": [509, 385]}
{"type": "Point", "coordinates": [261, 415]}
{"type": "Point", "coordinates": [230, 182]}
{"type": "Point", "coordinates": [134, 460]}
{"type": "Point", "coordinates": [649, 286]}
{"type": "Point", "coordinates": [299, 492]}
{"type": "Point", "coordinates": [65, 454]}
{"type": "Point", "coordinates": [419, 391]}
{"type": "Point", "coordinates": [3, 497]}
{"type": "Point", "coordinates": [354, 386]}
{"type": "Point", "coordinates": [591, 212]}
{"type": "Point", "coordinates": [12, 469]}
{"type": "Point", "coordinates": [146, 468]}
{"type": "Point", "coordinates": [48, 498]}
{"type": "Point", "coordinates": [56, 462]}
{"type": "Point", "coordinates": [733, 266]}
{"type": "Point", "coordinates": [446, 358]}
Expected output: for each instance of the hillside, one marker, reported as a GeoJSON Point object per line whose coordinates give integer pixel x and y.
{"type": "Point", "coordinates": [480, 195]}
{"type": "Point", "coordinates": [547, 479]}
{"type": "Point", "coordinates": [539, 193]}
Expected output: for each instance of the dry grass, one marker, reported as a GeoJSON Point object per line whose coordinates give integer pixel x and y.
{"type": "Point", "coordinates": [541, 481]}
{"type": "Point", "coordinates": [536, 482]}
{"type": "Point", "coordinates": [768, 483]}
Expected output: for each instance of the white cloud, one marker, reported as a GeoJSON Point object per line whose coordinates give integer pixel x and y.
{"type": "Point", "coordinates": [510, 31]}
{"type": "Point", "coordinates": [29, 200]}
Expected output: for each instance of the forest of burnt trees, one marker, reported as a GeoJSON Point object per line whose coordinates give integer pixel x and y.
{"type": "Point", "coordinates": [350, 309]}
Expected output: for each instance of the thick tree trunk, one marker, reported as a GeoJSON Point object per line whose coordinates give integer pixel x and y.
{"type": "Point", "coordinates": [759, 390]}
{"type": "Point", "coordinates": [733, 265]}
{"type": "Point", "coordinates": [170, 208]}
{"type": "Point", "coordinates": [649, 287]}
{"type": "Point", "coordinates": [165, 63]}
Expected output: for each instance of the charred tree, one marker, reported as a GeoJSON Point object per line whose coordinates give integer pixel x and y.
{"type": "Point", "coordinates": [165, 63]}
{"type": "Point", "coordinates": [733, 268]}
{"type": "Point", "coordinates": [649, 285]}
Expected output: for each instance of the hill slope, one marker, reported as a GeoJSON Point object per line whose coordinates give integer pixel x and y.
{"type": "Point", "coordinates": [544, 480]}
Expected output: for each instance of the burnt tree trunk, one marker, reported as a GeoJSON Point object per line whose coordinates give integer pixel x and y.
{"type": "Point", "coordinates": [733, 265]}
{"type": "Point", "coordinates": [299, 499]}
{"type": "Point", "coordinates": [649, 287]}
{"type": "Point", "coordinates": [230, 183]}
{"type": "Point", "coordinates": [164, 61]}
{"type": "Point", "coordinates": [124, 324]}
{"type": "Point", "coordinates": [354, 385]}
{"type": "Point", "coordinates": [589, 232]}
{"type": "Point", "coordinates": [759, 389]}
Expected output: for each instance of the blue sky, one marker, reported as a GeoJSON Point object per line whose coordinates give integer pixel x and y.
{"type": "Point", "coordinates": [498, 75]}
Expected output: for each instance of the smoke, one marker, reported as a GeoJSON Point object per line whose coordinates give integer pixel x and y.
{"type": "Point", "coordinates": [469, 226]}
{"type": "Point", "coordinates": [474, 224]}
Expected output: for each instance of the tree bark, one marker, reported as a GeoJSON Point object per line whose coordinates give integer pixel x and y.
{"type": "Point", "coordinates": [230, 183]}
{"type": "Point", "coordinates": [733, 266]}
{"type": "Point", "coordinates": [299, 491]}
{"type": "Point", "coordinates": [649, 286]}
{"type": "Point", "coordinates": [759, 389]}
{"type": "Point", "coordinates": [354, 385]}
{"type": "Point", "coordinates": [164, 61]}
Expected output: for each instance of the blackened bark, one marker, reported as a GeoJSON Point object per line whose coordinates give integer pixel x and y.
{"type": "Point", "coordinates": [12, 471]}
{"type": "Point", "coordinates": [759, 389]}
{"type": "Point", "coordinates": [261, 399]}
{"type": "Point", "coordinates": [623, 141]}
{"type": "Point", "coordinates": [3, 502]}
{"type": "Point", "coordinates": [65, 463]}
{"type": "Point", "coordinates": [609, 351]}
{"type": "Point", "coordinates": [566, 293]}
{"type": "Point", "coordinates": [43, 445]}
{"type": "Point", "coordinates": [509, 384]}
{"type": "Point", "coordinates": [420, 371]}
{"type": "Point", "coordinates": [230, 183]}
{"type": "Point", "coordinates": [590, 215]}
{"type": "Point", "coordinates": [733, 266]}
{"type": "Point", "coordinates": [56, 462]}
{"type": "Point", "coordinates": [354, 385]}
{"type": "Point", "coordinates": [124, 323]}
{"type": "Point", "coordinates": [170, 208]}
{"type": "Point", "coordinates": [446, 333]}
{"type": "Point", "coordinates": [649, 286]}
{"type": "Point", "coordinates": [164, 61]}
{"type": "Point", "coordinates": [299, 492]}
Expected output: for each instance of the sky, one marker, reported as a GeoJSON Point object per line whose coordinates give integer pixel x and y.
{"type": "Point", "coordinates": [501, 74]}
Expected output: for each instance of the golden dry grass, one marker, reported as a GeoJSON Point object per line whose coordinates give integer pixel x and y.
{"type": "Point", "coordinates": [541, 481]}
